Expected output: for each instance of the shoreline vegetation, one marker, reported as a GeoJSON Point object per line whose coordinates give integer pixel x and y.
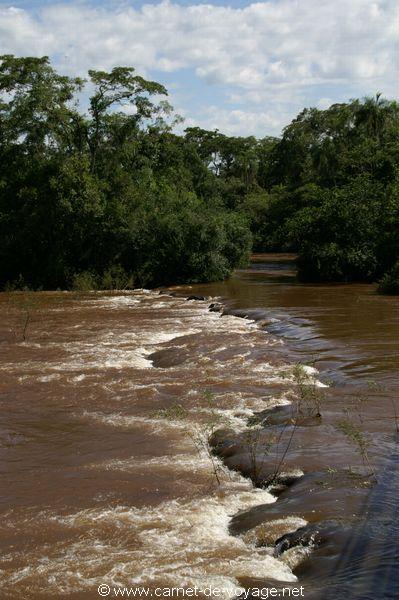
{"type": "Point", "coordinates": [98, 192]}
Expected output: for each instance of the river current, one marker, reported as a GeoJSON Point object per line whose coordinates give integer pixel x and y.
{"type": "Point", "coordinates": [107, 404]}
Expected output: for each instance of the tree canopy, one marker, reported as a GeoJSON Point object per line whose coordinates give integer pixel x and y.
{"type": "Point", "coordinates": [334, 174]}
{"type": "Point", "coordinates": [107, 195]}
{"type": "Point", "coordinates": [111, 195]}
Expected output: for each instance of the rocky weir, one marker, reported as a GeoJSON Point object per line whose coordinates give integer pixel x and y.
{"type": "Point", "coordinates": [154, 439]}
{"type": "Point", "coordinates": [329, 490]}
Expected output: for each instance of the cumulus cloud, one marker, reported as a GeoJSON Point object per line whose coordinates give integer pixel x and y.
{"type": "Point", "coordinates": [238, 121]}
{"type": "Point", "coordinates": [273, 53]}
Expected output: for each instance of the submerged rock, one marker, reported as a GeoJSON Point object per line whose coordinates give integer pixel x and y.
{"type": "Point", "coordinates": [224, 443]}
{"type": "Point", "coordinates": [249, 454]}
{"type": "Point", "coordinates": [166, 292]}
{"type": "Point", "coordinates": [169, 357]}
{"type": "Point", "coordinates": [310, 497]}
{"type": "Point", "coordinates": [195, 297]}
{"type": "Point", "coordinates": [287, 414]}
{"type": "Point", "coordinates": [215, 307]}
{"type": "Point", "coordinates": [283, 480]}
{"type": "Point", "coordinates": [309, 535]}
{"type": "Point", "coordinates": [283, 414]}
{"type": "Point", "coordinates": [267, 534]}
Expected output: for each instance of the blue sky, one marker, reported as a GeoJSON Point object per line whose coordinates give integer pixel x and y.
{"type": "Point", "coordinates": [246, 68]}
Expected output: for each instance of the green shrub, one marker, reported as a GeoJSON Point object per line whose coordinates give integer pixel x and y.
{"type": "Point", "coordinates": [338, 240]}
{"type": "Point", "coordinates": [389, 284]}
{"type": "Point", "coordinates": [84, 282]}
{"type": "Point", "coordinates": [116, 278]}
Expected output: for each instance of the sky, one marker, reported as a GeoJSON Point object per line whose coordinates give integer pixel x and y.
{"type": "Point", "coordinates": [246, 68]}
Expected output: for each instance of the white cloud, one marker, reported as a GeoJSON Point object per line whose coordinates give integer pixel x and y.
{"type": "Point", "coordinates": [324, 103]}
{"type": "Point", "coordinates": [236, 121]}
{"type": "Point", "coordinates": [269, 52]}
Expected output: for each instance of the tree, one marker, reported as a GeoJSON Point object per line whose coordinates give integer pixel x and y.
{"type": "Point", "coordinates": [129, 95]}
{"type": "Point", "coordinates": [108, 195]}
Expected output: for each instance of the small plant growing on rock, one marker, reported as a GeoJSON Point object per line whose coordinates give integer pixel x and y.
{"type": "Point", "coordinates": [310, 395]}
{"type": "Point", "coordinates": [258, 449]}
{"type": "Point", "coordinates": [357, 437]}
{"type": "Point", "coordinates": [201, 433]}
{"type": "Point", "coordinates": [176, 412]}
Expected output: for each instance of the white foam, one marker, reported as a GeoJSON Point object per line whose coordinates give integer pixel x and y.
{"type": "Point", "coordinates": [46, 378]}
{"type": "Point", "coordinates": [78, 378]}
{"type": "Point", "coordinates": [320, 384]}
{"type": "Point", "coordinates": [294, 556]}
{"type": "Point", "coordinates": [267, 533]}
{"type": "Point", "coordinates": [129, 421]}
{"type": "Point", "coordinates": [177, 462]}
{"type": "Point", "coordinates": [312, 372]}
{"type": "Point", "coordinates": [239, 411]}
{"type": "Point", "coordinates": [292, 473]}
{"type": "Point", "coordinates": [181, 542]}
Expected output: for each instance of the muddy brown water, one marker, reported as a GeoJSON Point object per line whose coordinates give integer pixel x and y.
{"type": "Point", "coordinates": [107, 405]}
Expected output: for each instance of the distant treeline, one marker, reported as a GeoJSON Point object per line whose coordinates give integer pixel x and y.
{"type": "Point", "coordinates": [110, 197]}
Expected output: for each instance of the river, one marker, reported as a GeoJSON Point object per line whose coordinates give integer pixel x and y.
{"type": "Point", "coordinates": [108, 402]}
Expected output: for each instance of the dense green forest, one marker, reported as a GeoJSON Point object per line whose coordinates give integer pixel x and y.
{"type": "Point", "coordinates": [97, 191]}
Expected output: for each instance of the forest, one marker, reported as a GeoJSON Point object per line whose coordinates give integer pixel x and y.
{"type": "Point", "coordinates": [98, 191]}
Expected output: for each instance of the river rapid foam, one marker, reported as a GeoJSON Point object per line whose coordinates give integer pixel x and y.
{"type": "Point", "coordinates": [135, 383]}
